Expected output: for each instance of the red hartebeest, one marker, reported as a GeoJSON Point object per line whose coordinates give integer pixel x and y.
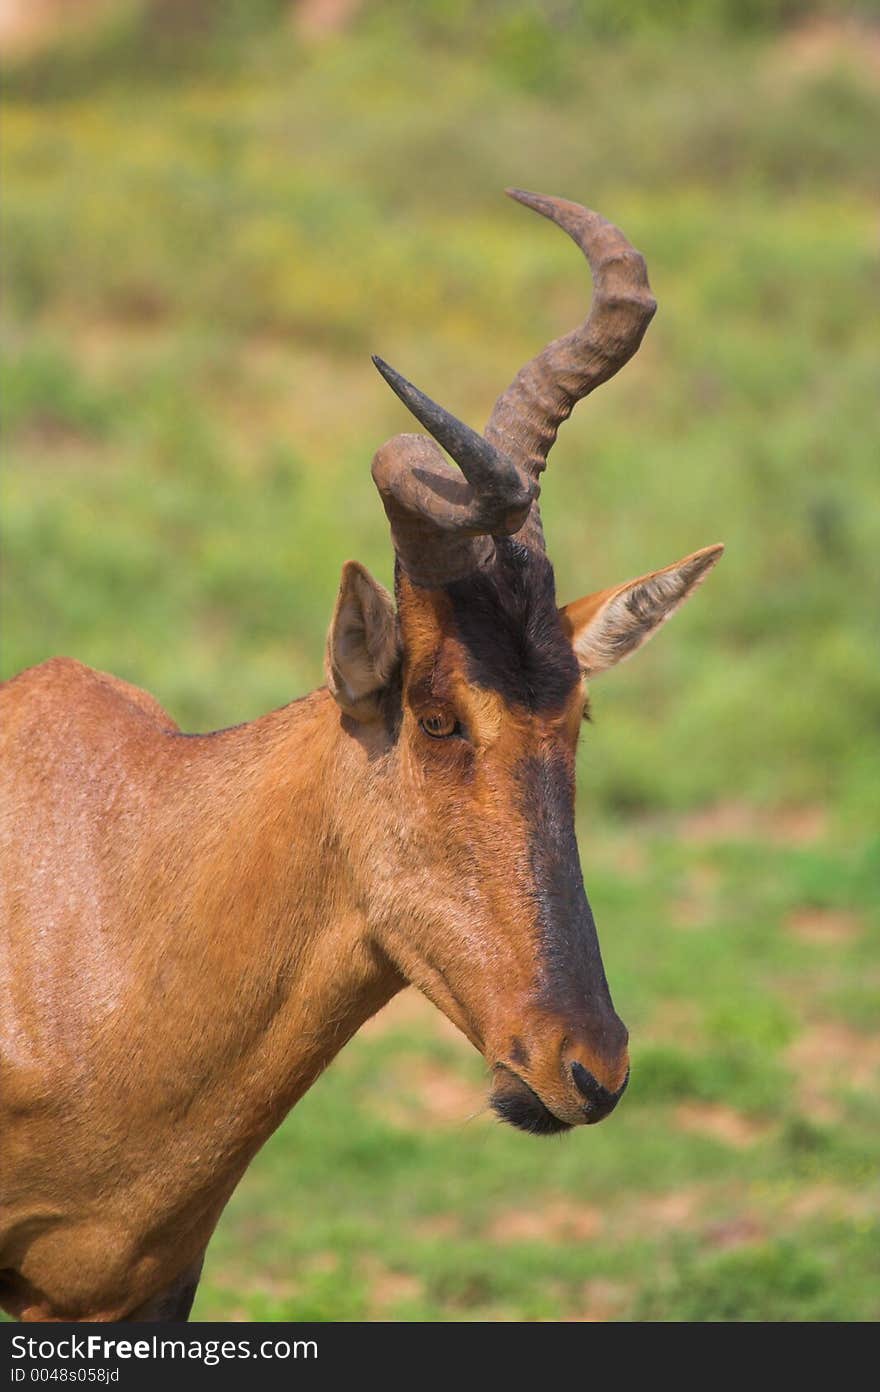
{"type": "Point", "coordinates": [193, 926]}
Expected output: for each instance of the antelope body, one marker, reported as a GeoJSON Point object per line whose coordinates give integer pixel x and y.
{"type": "Point", "coordinates": [193, 926]}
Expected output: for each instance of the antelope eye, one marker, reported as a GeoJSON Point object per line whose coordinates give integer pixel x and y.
{"type": "Point", "coordinates": [439, 725]}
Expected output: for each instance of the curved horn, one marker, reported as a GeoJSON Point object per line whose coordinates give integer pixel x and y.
{"type": "Point", "coordinates": [442, 521]}
{"type": "Point", "coordinates": [527, 416]}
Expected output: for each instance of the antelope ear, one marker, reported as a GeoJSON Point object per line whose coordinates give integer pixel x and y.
{"type": "Point", "coordinates": [606, 627]}
{"type": "Point", "coordinates": [362, 644]}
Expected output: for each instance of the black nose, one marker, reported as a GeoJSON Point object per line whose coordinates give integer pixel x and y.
{"type": "Point", "coordinates": [599, 1100]}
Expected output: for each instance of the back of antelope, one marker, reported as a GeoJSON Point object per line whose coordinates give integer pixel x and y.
{"type": "Point", "coordinates": [193, 926]}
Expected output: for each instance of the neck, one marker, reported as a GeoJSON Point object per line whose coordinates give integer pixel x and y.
{"type": "Point", "coordinates": [273, 967]}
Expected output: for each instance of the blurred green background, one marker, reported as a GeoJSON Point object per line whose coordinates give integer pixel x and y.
{"type": "Point", "coordinates": [213, 213]}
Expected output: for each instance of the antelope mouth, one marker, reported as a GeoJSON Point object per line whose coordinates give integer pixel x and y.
{"type": "Point", "coordinates": [519, 1105]}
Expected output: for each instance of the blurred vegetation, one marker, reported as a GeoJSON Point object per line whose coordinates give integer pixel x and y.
{"type": "Point", "coordinates": [212, 215]}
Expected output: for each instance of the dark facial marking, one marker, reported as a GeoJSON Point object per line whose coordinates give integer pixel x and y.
{"type": "Point", "coordinates": [392, 703]}
{"type": "Point", "coordinates": [506, 618]}
{"type": "Point", "coordinates": [574, 984]}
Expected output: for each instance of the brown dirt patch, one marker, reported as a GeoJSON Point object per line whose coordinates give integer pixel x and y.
{"type": "Point", "coordinates": [389, 1289]}
{"type": "Point", "coordinates": [322, 19]}
{"type": "Point", "coordinates": [820, 45]}
{"type": "Point", "coordinates": [439, 1225]}
{"type": "Point", "coordinates": [828, 1058]}
{"type": "Point", "coordinates": [720, 1123]}
{"type": "Point", "coordinates": [420, 1093]}
{"type": "Point", "coordinates": [824, 927]}
{"type": "Point", "coordinates": [697, 907]}
{"type": "Point", "coordinates": [829, 1201]}
{"type": "Point", "coordinates": [557, 1221]}
{"type": "Point", "coordinates": [602, 1300]}
{"type": "Point", "coordinates": [657, 1213]}
{"type": "Point", "coordinates": [740, 821]}
{"type": "Point", "coordinates": [321, 1263]}
{"type": "Point", "coordinates": [637, 1215]}
{"type": "Point", "coordinates": [446, 1097]}
{"type": "Point", "coordinates": [408, 1011]}
{"type": "Point", "coordinates": [28, 25]}
{"type": "Point", "coordinates": [738, 1230]}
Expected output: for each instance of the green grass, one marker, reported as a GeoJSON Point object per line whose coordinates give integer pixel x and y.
{"type": "Point", "coordinates": [736, 1181]}
{"type": "Point", "coordinates": [201, 249]}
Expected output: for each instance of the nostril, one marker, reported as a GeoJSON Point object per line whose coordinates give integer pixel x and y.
{"type": "Point", "coordinates": [600, 1101]}
{"type": "Point", "coordinates": [587, 1085]}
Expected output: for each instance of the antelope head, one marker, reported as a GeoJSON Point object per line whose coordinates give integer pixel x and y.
{"type": "Point", "coordinates": [469, 693]}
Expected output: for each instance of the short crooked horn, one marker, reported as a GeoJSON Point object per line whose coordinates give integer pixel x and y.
{"type": "Point", "coordinates": [442, 521]}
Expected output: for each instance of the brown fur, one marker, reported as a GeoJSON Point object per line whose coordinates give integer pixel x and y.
{"type": "Point", "coordinates": [193, 926]}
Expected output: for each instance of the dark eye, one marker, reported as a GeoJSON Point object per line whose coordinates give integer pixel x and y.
{"type": "Point", "coordinates": [440, 725]}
